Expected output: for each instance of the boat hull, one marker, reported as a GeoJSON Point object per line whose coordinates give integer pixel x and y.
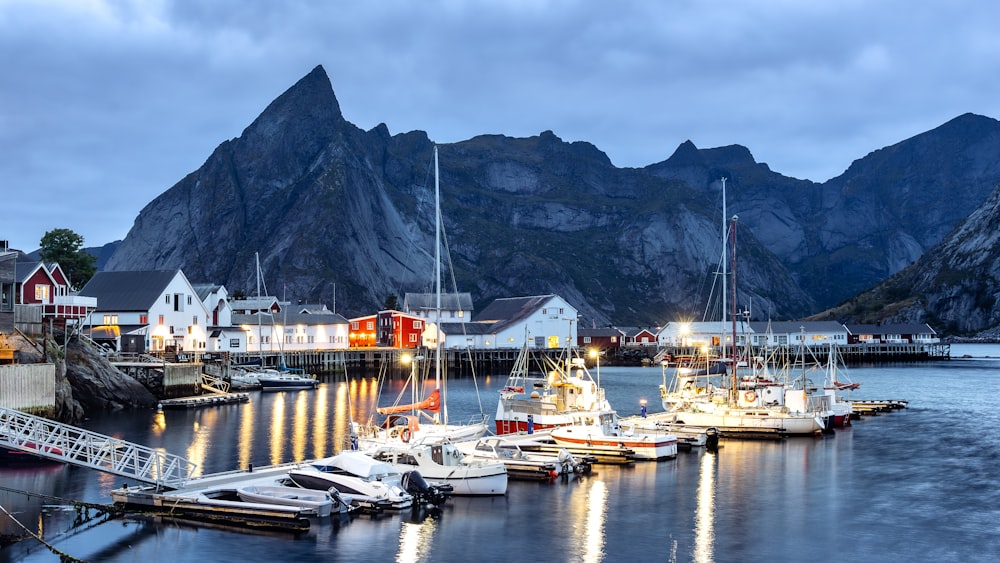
{"type": "Point", "coordinates": [643, 446]}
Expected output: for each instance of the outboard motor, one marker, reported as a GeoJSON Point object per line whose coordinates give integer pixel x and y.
{"type": "Point", "coordinates": [415, 484]}
{"type": "Point", "coordinates": [712, 439]}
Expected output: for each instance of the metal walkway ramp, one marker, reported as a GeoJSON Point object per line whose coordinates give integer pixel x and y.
{"type": "Point", "coordinates": [62, 442]}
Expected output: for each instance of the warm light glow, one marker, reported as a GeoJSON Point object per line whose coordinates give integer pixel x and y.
{"type": "Point", "coordinates": [593, 353]}
{"type": "Point", "coordinates": [320, 422]}
{"type": "Point", "coordinates": [704, 516]}
{"type": "Point", "coordinates": [415, 540]}
{"type": "Point", "coordinates": [597, 502]}
{"type": "Point", "coordinates": [685, 329]}
{"type": "Point", "coordinates": [246, 434]}
{"type": "Point", "coordinates": [277, 428]}
{"type": "Point", "coordinates": [300, 425]}
{"type": "Point", "coordinates": [405, 359]}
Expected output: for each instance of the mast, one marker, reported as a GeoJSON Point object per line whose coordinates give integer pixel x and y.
{"type": "Point", "coordinates": [437, 286]}
{"type": "Point", "coordinates": [732, 269]}
{"type": "Point", "coordinates": [725, 230]}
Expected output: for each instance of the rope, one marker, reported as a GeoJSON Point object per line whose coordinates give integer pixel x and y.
{"type": "Point", "coordinates": [62, 555]}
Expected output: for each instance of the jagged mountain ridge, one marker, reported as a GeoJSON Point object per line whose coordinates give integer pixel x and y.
{"type": "Point", "coordinates": [955, 285]}
{"type": "Point", "coordinates": [329, 205]}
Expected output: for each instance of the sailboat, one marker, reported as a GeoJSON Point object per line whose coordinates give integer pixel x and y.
{"type": "Point", "coordinates": [424, 421]}
{"type": "Point", "coordinates": [746, 401]}
{"type": "Point", "coordinates": [271, 379]}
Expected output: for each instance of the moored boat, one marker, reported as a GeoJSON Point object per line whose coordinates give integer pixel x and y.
{"type": "Point", "coordinates": [604, 431]}
{"type": "Point", "coordinates": [444, 463]}
{"type": "Point", "coordinates": [534, 466]}
{"type": "Point", "coordinates": [274, 380]}
{"type": "Point", "coordinates": [319, 503]}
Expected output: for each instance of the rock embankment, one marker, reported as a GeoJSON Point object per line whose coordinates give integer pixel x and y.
{"type": "Point", "coordinates": [86, 382]}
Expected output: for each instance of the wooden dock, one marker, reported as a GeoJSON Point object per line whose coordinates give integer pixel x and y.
{"type": "Point", "coordinates": [206, 400]}
{"type": "Point", "coordinates": [863, 407]}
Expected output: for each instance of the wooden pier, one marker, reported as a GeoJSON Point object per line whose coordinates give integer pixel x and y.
{"type": "Point", "coordinates": [206, 400]}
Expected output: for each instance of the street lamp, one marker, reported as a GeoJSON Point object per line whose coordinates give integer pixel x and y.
{"type": "Point", "coordinates": [596, 354]}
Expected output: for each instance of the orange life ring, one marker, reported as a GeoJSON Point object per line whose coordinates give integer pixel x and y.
{"type": "Point", "coordinates": [405, 436]}
{"type": "Point", "coordinates": [750, 396]}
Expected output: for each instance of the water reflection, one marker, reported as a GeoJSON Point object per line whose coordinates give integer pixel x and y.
{"type": "Point", "coordinates": [300, 423]}
{"type": "Point", "coordinates": [593, 537]}
{"type": "Point", "coordinates": [319, 423]}
{"type": "Point", "coordinates": [277, 428]}
{"type": "Point", "coordinates": [704, 530]}
{"type": "Point", "coordinates": [415, 540]}
{"type": "Point", "coordinates": [244, 442]}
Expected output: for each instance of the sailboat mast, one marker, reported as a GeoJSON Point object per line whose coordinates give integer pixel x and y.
{"type": "Point", "coordinates": [437, 283]}
{"type": "Point", "coordinates": [725, 250]}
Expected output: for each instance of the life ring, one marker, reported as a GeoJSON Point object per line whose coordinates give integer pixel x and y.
{"type": "Point", "coordinates": [750, 396]}
{"type": "Point", "coordinates": [405, 436]}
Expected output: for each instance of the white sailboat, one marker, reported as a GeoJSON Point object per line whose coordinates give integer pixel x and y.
{"type": "Point", "coordinates": [738, 405]}
{"type": "Point", "coordinates": [426, 420]}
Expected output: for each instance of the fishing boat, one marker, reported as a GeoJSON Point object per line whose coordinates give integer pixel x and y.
{"type": "Point", "coordinates": [546, 394]}
{"type": "Point", "coordinates": [444, 463]}
{"type": "Point", "coordinates": [604, 430]}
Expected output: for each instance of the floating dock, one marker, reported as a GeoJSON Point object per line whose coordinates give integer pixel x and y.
{"type": "Point", "coordinates": [206, 400]}
{"type": "Point", "coordinates": [873, 407]}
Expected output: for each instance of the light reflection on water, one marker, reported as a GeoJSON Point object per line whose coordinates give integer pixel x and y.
{"type": "Point", "coordinates": [918, 484]}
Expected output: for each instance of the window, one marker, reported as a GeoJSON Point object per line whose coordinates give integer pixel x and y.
{"type": "Point", "coordinates": [160, 320]}
{"type": "Point", "coordinates": [413, 337]}
{"type": "Point", "coordinates": [42, 292]}
{"type": "Point", "coordinates": [171, 329]}
{"type": "Point", "coordinates": [288, 340]}
{"type": "Point", "coordinates": [586, 340]}
{"type": "Point", "coordinates": [144, 319]}
{"type": "Point", "coordinates": [167, 299]}
{"type": "Point", "coordinates": [355, 325]}
{"type": "Point", "coordinates": [194, 320]}
{"type": "Point", "coordinates": [370, 325]}
{"type": "Point", "coordinates": [234, 342]}
{"type": "Point", "coordinates": [190, 329]}
{"type": "Point", "coordinates": [189, 299]}
{"type": "Point", "coordinates": [418, 324]}
{"type": "Point", "coordinates": [110, 319]}
{"type": "Point", "coordinates": [311, 338]}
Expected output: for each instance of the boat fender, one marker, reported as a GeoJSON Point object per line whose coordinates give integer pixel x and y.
{"type": "Point", "coordinates": [750, 396]}
{"type": "Point", "coordinates": [405, 436]}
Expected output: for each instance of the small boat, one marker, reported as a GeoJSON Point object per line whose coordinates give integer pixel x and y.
{"type": "Point", "coordinates": [358, 475]}
{"type": "Point", "coordinates": [318, 503]}
{"type": "Point", "coordinates": [604, 430]}
{"type": "Point", "coordinates": [274, 380]}
{"type": "Point", "coordinates": [243, 379]}
{"type": "Point", "coordinates": [445, 464]}
{"type": "Point", "coordinates": [533, 466]}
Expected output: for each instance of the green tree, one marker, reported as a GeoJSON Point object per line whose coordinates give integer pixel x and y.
{"type": "Point", "coordinates": [65, 247]}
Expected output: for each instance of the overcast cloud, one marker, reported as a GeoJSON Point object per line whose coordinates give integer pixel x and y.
{"type": "Point", "coordinates": [104, 104]}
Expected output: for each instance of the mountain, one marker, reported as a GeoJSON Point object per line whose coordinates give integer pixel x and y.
{"type": "Point", "coordinates": [954, 287]}
{"type": "Point", "coordinates": [346, 216]}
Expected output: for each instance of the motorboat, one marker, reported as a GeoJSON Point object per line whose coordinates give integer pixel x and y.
{"type": "Point", "coordinates": [604, 430]}
{"type": "Point", "coordinates": [275, 380]}
{"type": "Point", "coordinates": [318, 503]}
{"type": "Point", "coordinates": [445, 464]}
{"type": "Point", "coordinates": [358, 475]}
{"type": "Point", "coordinates": [534, 466]}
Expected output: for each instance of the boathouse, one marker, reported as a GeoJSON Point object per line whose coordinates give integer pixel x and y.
{"type": "Point", "coordinates": [796, 333]}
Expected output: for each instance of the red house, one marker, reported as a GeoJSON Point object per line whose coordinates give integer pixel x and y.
{"type": "Point", "coordinates": [36, 285]}
{"type": "Point", "coordinates": [361, 333]}
{"type": "Point", "coordinates": [391, 329]}
{"type": "Point", "coordinates": [602, 338]}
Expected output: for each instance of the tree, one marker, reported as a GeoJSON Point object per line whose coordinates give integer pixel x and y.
{"type": "Point", "coordinates": [65, 247]}
{"type": "Point", "coordinates": [391, 303]}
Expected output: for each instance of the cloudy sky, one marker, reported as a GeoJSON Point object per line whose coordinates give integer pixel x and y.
{"type": "Point", "coordinates": [104, 104]}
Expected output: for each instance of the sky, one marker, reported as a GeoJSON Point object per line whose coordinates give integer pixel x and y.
{"type": "Point", "coordinates": [105, 104]}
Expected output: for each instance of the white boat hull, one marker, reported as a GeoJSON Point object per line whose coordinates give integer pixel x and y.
{"type": "Point", "coordinates": [644, 446]}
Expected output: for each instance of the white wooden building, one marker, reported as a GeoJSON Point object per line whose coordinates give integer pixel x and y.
{"type": "Point", "coordinates": [547, 321]}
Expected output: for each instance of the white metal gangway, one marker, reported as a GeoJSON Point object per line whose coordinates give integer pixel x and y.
{"type": "Point", "coordinates": [62, 442]}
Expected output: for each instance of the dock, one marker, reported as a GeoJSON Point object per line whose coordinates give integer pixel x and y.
{"type": "Point", "coordinates": [208, 399]}
{"type": "Point", "coordinates": [863, 407]}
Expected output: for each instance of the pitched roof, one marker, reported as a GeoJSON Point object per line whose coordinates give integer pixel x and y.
{"type": "Point", "coordinates": [605, 331]}
{"type": "Point", "coordinates": [512, 308]}
{"type": "Point", "coordinates": [794, 327]}
{"type": "Point", "coordinates": [428, 301]}
{"type": "Point", "coordinates": [128, 291]}
{"type": "Point", "coordinates": [289, 319]}
{"type": "Point", "coordinates": [205, 289]}
{"type": "Point", "coordinates": [468, 328]}
{"type": "Point", "coordinates": [890, 329]}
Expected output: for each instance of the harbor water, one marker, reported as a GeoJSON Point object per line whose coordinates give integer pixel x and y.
{"type": "Point", "coordinates": [917, 484]}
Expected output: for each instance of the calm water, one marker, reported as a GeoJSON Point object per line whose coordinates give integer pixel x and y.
{"type": "Point", "coordinates": [915, 485]}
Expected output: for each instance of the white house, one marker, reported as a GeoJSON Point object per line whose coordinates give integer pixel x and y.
{"type": "Point", "coordinates": [699, 334]}
{"type": "Point", "coordinates": [292, 332]}
{"type": "Point", "coordinates": [547, 321]}
{"type": "Point", "coordinates": [159, 308]}
{"type": "Point", "coordinates": [796, 333]}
